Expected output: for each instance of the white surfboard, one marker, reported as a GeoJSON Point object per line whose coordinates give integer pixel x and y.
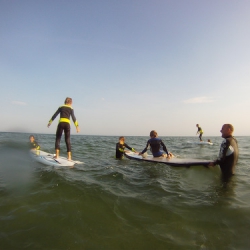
{"type": "Point", "coordinates": [201, 142]}
{"type": "Point", "coordinates": [172, 162]}
{"type": "Point", "coordinates": [48, 159]}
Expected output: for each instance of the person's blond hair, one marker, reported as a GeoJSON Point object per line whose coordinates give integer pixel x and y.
{"type": "Point", "coordinates": [230, 126]}
{"type": "Point", "coordinates": [68, 100]}
{"type": "Point", "coordinates": [153, 133]}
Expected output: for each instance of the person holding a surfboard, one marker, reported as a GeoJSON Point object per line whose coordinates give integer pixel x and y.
{"type": "Point", "coordinates": [155, 145]}
{"type": "Point", "coordinates": [120, 148]}
{"type": "Point", "coordinates": [199, 131]}
{"type": "Point", "coordinates": [65, 111]}
{"type": "Point", "coordinates": [228, 155]}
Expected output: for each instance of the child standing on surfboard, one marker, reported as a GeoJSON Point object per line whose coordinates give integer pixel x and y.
{"type": "Point", "coordinates": [199, 131]}
{"type": "Point", "coordinates": [65, 112]}
{"type": "Point", "coordinates": [155, 145]}
{"type": "Point", "coordinates": [120, 148]}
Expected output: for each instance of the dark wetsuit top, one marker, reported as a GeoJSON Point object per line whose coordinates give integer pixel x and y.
{"type": "Point", "coordinates": [120, 149]}
{"type": "Point", "coordinates": [201, 132]}
{"type": "Point", "coordinates": [34, 145]}
{"type": "Point", "coordinates": [228, 156]}
{"type": "Point", "coordinates": [155, 145]}
{"type": "Point", "coordinates": [65, 112]}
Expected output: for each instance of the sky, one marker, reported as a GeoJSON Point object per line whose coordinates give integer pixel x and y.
{"type": "Point", "coordinates": [130, 66]}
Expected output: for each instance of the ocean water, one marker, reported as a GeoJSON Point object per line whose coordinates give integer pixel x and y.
{"type": "Point", "coordinates": [121, 204]}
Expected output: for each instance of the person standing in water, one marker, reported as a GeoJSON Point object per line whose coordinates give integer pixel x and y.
{"type": "Point", "coordinates": [65, 112]}
{"type": "Point", "coordinates": [229, 152]}
{"type": "Point", "coordinates": [199, 131]}
{"type": "Point", "coordinates": [120, 148]}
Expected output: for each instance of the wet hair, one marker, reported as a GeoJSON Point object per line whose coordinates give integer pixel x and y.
{"type": "Point", "coordinates": [230, 126]}
{"type": "Point", "coordinates": [121, 137]}
{"type": "Point", "coordinates": [68, 100]}
{"type": "Point", "coordinates": [153, 133]}
{"type": "Point", "coordinates": [32, 136]}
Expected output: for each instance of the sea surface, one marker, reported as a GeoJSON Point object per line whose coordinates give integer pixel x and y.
{"type": "Point", "coordinates": [121, 204]}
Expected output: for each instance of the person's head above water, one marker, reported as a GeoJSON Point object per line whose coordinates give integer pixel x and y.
{"type": "Point", "coordinates": [227, 130]}
{"type": "Point", "coordinates": [32, 138]}
{"type": "Point", "coordinates": [121, 139]}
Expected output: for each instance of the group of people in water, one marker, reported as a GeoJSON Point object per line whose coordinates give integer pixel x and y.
{"type": "Point", "coordinates": [228, 154]}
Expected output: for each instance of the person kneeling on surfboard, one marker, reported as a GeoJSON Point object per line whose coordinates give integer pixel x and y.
{"type": "Point", "coordinates": [33, 144]}
{"type": "Point", "coordinates": [120, 148]}
{"type": "Point", "coordinates": [155, 145]}
{"type": "Point", "coordinates": [65, 112]}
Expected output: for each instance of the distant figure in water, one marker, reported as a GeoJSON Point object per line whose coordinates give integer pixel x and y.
{"type": "Point", "coordinates": [33, 144]}
{"type": "Point", "coordinates": [199, 131]}
{"type": "Point", "coordinates": [120, 148]}
{"type": "Point", "coordinates": [209, 140]}
{"type": "Point", "coordinates": [155, 145]}
{"type": "Point", "coordinates": [228, 155]}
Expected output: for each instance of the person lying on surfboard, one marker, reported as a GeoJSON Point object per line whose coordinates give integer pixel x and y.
{"type": "Point", "coordinates": [155, 145]}
{"type": "Point", "coordinates": [120, 148]}
{"type": "Point", "coordinates": [33, 144]}
{"type": "Point", "coordinates": [66, 111]}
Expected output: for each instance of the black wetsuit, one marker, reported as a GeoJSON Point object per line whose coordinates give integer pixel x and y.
{"type": "Point", "coordinates": [34, 145]}
{"type": "Point", "coordinates": [155, 145]}
{"type": "Point", "coordinates": [65, 112]}
{"type": "Point", "coordinates": [228, 156]}
{"type": "Point", "coordinates": [201, 133]}
{"type": "Point", "coordinates": [120, 149]}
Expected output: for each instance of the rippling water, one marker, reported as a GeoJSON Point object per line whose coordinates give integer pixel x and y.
{"type": "Point", "coordinates": [121, 204]}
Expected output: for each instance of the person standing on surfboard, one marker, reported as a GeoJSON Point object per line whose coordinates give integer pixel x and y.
{"type": "Point", "coordinates": [120, 148]}
{"type": "Point", "coordinates": [200, 131]}
{"type": "Point", "coordinates": [155, 145]}
{"type": "Point", "coordinates": [65, 112]}
{"type": "Point", "coordinates": [228, 155]}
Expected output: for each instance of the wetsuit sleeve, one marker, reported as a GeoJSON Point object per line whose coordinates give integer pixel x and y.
{"type": "Point", "coordinates": [146, 148]}
{"type": "Point", "coordinates": [34, 145]}
{"type": "Point", "coordinates": [164, 147]}
{"type": "Point", "coordinates": [127, 146]}
{"type": "Point", "coordinates": [55, 115]}
{"type": "Point", "coordinates": [223, 151]}
{"type": "Point", "coordinates": [118, 148]}
{"type": "Point", "coordinates": [74, 118]}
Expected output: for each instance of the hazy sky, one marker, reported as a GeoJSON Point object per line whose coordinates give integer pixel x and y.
{"type": "Point", "coordinates": [130, 65]}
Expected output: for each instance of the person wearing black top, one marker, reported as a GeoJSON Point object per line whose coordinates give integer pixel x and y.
{"type": "Point", "coordinates": [33, 144]}
{"type": "Point", "coordinates": [229, 152]}
{"type": "Point", "coordinates": [65, 112]}
{"type": "Point", "coordinates": [199, 131]}
{"type": "Point", "coordinates": [120, 148]}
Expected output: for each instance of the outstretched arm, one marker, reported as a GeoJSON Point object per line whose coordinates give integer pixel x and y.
{"type": "Point", "coordinates": [145, 149]}
{"type": "Point", "coordinates": [53, 117]}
